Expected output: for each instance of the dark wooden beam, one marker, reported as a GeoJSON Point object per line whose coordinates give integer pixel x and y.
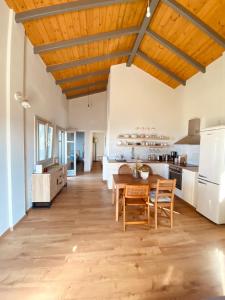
{"type": "Point", "coordinates": [63, 8]}
{"type": "Point", "coordinates": [144, 26]}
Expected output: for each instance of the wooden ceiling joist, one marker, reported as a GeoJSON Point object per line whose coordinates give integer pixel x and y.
{"type": "Point", "coordinates": [161, 68]}
{"type": "Point", "coordinates": [196, 21]}
{"type": "Point", "coordinates": [176, 50]}
{"type": "Point", "coordinates": [81, 87]}
{"type": "Point", "coordinates": [85, 40]}
{"type": "Point", "coordinates": [86, 61]}
{"type": "Point", "coordinates": [144, 26]}
{"type": "Point", "coordinates": [83, 76]}
{"type": "Point", "coordinates": [86, 94]}
{"type": "Point", "coordinates": [67, 7]}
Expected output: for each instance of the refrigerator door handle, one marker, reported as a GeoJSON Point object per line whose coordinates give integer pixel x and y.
{"type": "Point", "coordinates": [200, 175]}
{"type": "Point", "coordinates": [202, 182]}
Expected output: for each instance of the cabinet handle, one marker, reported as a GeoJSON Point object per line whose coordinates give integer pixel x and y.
{"type": "Point", "coordinates": [202, 182]}
{"type": "Point", "coordinates": [200, 175]}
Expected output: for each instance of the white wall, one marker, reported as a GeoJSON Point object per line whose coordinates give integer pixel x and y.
{"type": "Point", "coordinates": [21, 70]}
{"type": "Point", "coordinates": [88, 119]}
{"type": "Point", "coordinates": [204, 96]}
{"type": "Point", "coordinates": [46, 101]}
{"type": "Point", "coordinates": [83, 117]}
{"type": "Point", "coordinates": [135, 99]}
{"type": "Point", "coordinates": [4, 217]}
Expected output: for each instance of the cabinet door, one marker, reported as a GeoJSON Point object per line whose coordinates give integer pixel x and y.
{"type": "Point", "coordinates": [156, 168]}
{"type": "Point", "coordinates": [208, 201]}
{"type": "Point", "coordinates": [188, 187]}
{"type": "Point", "coordinates": [212, 158]}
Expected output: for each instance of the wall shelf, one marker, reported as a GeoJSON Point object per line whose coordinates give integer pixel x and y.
{"type": "Point", "coordinates": [145, 146]}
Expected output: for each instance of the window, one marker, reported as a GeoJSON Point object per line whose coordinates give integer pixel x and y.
{"type": "Point", "coordinates": [61, 145]}
{"type": "Point", "coordinates": [44, 141]}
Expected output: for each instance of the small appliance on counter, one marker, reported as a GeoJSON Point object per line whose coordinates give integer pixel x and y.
{"type": "Point", "coordinates": [173, 155]}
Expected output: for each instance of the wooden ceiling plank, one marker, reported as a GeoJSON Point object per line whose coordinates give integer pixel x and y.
{"type": "Point", "coordinates": [86, 94]}
{"type": "Point", "coordinates": [52, 10]}
{"type": "Point", "coordinates": [86, 61]}
{"type": "Point", "coordinates": [144, 26]}
{"type": "Point", "coordinates": [79, 77]}
{"type": "Point", "coordinates": [176, 50]}
{"type": "Point", "coordinates": [196, 21]}
{"type": "Point", "coordinates": [161, 68]}
{"type": "Point", "coordinates": [81, 87]}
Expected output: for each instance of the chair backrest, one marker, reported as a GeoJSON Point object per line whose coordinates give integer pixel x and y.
{"type": "Point", "coordinates": [149, 168]}
{"type": "Point", "coordinates": [136, 191]}
{"type": "Point", "coordinates": [124, 169]}
{"type": "Point", "coordinates": [165, 188]}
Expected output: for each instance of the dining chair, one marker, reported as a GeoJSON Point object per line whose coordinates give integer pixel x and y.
{"type": "Point", "coordinates": [163, 197]}
{"type": "Point", "coordinates": [136, 196]}
{"type": "Point", "coordinates": [148, 168]}
{"type": "Point", "coordinates": [124, 169]}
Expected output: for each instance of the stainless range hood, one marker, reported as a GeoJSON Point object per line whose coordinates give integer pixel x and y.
{"type": "Point", "coordinates": [193, 137]}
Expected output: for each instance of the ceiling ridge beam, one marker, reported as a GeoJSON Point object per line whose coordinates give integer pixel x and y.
{"type": "Point", "coordinates": [81, 62]}
{"type": "Point", "coordinates": [144, 26]}
{"type": "Point", "coordinates": [81, 87]}
{"type": "Point", "coordinates": [176, 50]}
{"type": "Point", "coordinates": [161, 68]}
{"type": "Point", "coordinates": [86, 94]}
{"type": "Point", "coordinates": [83, 76]}
{"type": "Point", "coordinates": [85, 40]}
{"type": "Point", "coordinates": [196, 21]}
{"type": "Point", "coordinates": [57, 9]}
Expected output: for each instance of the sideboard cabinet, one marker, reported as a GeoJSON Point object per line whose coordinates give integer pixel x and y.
{"type": "Point", "coordinates": [47, 185]}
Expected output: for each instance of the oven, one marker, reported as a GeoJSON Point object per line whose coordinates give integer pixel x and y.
{"type": "Point", "coordinates": [175, 172]}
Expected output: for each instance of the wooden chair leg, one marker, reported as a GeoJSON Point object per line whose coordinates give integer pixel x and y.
{"type": "Point", "coordinates": [156, 216]}
{"type": "Point", "coordinates": [124, 215]}
{"type": "Point", "coordinates": [148, 212]}
{"type": "Point", "coordinates": [171, 215]}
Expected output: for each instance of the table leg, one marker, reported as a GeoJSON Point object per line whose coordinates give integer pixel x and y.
{"type": "Point", "coordinates": [113, 193]}
{"type": "Point", "coordinates": [117, 203]}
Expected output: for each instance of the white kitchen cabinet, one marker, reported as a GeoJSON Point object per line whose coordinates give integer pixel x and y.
{"type": "Point", "coordinates": [189, 186]}
{"type": "Point", "coordinates": [161, 169]}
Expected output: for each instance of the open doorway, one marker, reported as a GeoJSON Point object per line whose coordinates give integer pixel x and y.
{"type": "Point", "coordinates": [98, 147]}
{"type": "Point", "coordinates": [80, 140]}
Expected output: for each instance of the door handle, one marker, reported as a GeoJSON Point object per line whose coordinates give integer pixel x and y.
{"type": "Point", "coordinates": [202, 182]}
{"type": "Point", "coordinates": [200, 175]}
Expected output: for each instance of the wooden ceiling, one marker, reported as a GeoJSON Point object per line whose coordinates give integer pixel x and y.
{"type": "Point", "coordinates": [80, 40]}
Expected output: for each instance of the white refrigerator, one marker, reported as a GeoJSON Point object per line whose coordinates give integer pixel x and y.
{"type": "Point", "coordinates": [211, 179]}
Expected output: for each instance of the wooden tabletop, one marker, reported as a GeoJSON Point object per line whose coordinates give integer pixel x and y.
{"type": "Point", "coordinates": [120, 179]}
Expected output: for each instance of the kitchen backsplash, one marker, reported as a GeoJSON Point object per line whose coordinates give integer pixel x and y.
{"type": "Point", "coordinates": [192, 152]}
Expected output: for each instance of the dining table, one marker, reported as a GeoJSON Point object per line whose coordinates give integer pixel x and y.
{"type": "Point", "coordinates": [121, 180]}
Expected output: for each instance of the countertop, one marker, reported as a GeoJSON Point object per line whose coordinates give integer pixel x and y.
{"type": "Point", "coordinates": [188, 167]}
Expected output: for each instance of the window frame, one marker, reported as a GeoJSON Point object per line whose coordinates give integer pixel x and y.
{"type": "Point", "coordinates": [47, 124]}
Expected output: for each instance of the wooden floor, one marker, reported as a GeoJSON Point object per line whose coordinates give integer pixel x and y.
{"type": "Point", "coordinates": [75, 250]}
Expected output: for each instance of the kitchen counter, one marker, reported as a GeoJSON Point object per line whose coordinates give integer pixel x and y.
{"type": "Point", "coordinates": [192, 168]}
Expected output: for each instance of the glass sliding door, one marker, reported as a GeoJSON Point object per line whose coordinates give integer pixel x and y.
{"type": "Point", "coordinates": [71, 153]}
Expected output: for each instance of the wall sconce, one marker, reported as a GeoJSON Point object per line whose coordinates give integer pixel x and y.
{"type": "Point", "coordinates": [22, 100]}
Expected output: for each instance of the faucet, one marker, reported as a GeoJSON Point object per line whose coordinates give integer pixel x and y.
{"type": "Point", "coordinates": [132, 153]}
